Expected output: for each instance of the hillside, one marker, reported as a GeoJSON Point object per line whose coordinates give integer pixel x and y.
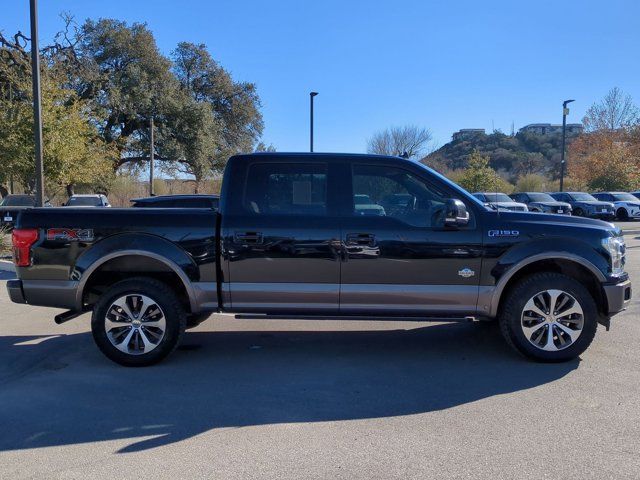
{"type": "Point", "coordinates": [511, 156]}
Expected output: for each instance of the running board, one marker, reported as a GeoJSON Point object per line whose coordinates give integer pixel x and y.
{"type": "Point", "coordinates": [423, 318]}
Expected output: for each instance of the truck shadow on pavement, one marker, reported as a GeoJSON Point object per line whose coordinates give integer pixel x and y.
{"type": "Point", "coordinates": [61, 390]}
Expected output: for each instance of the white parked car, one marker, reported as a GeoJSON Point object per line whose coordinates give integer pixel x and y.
{"type": "Point", "coordinates": [501, 201]}
{"type": "Point", "coordinates": [87, 200]}
{"type": "Point", "coordinates": [627, 205]}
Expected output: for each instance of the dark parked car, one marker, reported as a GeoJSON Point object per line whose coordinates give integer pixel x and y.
{"type": "Point", "coordinates": [542, 203]}
{"type": "Point", "coordinates": [289, 241]}
{"type": "Point", "coordinates": [585, 205]}
{"type": "Point", "coordinates": [12, 205]}
{"type": "Point", "coordinates": [177, 201]}
{"type": "Point", "coordinates": [627, 205]}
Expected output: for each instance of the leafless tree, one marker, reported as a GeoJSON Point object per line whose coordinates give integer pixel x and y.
{"type": "Point", "coordinates": [411, 140]}
{"type": "Point", "coordinates": [615, 111]}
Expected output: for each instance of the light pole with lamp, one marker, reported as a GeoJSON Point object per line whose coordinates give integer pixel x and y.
{"type": "Point", "coordinates": [311, 95]}
{"type": "Point", "coordinates": [565, 112]}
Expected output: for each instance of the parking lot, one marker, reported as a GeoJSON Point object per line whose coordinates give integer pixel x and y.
{"type": "Point", "coordinates": [302, 399]}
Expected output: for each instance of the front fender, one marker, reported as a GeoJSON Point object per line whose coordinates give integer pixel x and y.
{"type": "Point", "coordinates": [527, 253]}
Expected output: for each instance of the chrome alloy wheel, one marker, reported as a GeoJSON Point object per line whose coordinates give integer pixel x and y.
{"type": "Point", "coordinates": [552, 320]}
{"type": "Point", "coordinates": [135, 324]}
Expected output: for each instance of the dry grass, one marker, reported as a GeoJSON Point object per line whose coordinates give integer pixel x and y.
{"type": "Point", "coordinates": [5, 243]}
{"type": "Point", "coordinates": [125, 188]}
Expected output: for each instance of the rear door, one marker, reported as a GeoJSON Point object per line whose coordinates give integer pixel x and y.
{"type": "Point", "coordinates": [280, 237]}
{"type": "Point", "coordinates": [399, 257]}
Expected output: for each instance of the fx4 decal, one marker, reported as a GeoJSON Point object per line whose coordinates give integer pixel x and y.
{"type": "Point", "coordinates": [504, 233]}
{"type": "Point", "coordinates": [70, 234]}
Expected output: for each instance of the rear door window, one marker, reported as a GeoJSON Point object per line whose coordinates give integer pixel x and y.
{"type": "Point", "coordinates": [286, 189]}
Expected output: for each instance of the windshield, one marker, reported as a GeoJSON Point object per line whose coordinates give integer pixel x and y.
{"type": "Point", "coordinates": [18, 201]}
{"type": "Point", "coordinates": [497, 197]}
{"type": "Point", "coordinates": [582, 197]}
{"type": "Point", "coordinates": [624, 197]}
{"type": "Point", "coordinates": [541, 197]}
{"type": "Point", "coordinates": [84, 202]}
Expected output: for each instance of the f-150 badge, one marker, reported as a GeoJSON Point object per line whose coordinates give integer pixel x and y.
{"type": "Point", "coordinates": [70, 234]}
{"type": "Point", "coordinates": [466, 273]}
{"type": "Point", "coordinates": [504, 233]}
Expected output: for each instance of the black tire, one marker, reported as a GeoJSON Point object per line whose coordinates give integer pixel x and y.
{"type": "Point", "coordinates": [163, 296]}
{"type": "Point", "coordinates": [578, 212]}
{"type": "Point", "coordinates": [622, 214]}
{"type": "Point", "coordinates": [195, 319]}
{"type": "Point", "coordinates": [510, 317]}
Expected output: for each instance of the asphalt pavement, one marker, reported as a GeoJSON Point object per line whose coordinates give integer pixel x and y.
{"type": "Point", "coordinates": [320, 400]}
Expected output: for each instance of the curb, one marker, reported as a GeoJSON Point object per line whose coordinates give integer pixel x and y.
{"type": "Point", "coordinates": [7, 266]}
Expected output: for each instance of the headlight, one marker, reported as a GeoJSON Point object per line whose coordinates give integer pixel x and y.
{"type": "Point", "coordinates": [615, 247]}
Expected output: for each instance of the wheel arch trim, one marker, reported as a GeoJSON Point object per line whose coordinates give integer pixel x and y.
{"type": "Point", "coordinates": [186, 282]}
{"type": "Point", "coordinates": [495, 293]}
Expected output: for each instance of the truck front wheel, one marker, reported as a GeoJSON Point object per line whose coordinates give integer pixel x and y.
{"type": "Point", "coordinates": [138, 322]}
{"type": "Point", "coordinates": [549, 317]}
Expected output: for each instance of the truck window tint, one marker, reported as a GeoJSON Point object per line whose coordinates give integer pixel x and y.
{"type": "Point", "coordinates": [286, 189]}
{"type": "Point", "coordinates": [393, 192]}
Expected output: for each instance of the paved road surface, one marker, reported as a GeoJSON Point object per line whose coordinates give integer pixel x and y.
{"type": "Point", "coordinates": [325, 400]}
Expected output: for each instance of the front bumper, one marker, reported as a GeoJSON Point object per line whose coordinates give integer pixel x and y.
{"type": "Point", "coordinates": [618, 296]}
{"type": "Point", "coordinates": [603, 216]}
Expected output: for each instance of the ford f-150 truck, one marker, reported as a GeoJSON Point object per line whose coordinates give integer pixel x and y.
{"type": "Point", "coordinates": [290, 241]}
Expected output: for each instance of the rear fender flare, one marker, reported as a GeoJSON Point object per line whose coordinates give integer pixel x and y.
{"type": "Point", "coordinates": [149, 246]}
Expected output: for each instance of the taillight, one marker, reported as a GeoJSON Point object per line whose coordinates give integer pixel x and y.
{"type": "Point", "coordinates": [23, 239]}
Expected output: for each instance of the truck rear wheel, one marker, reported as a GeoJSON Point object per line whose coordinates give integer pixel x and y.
{"type": "Point", "coordinates": [549, 317]}
{"type": "Point", "coordinates": [138, 322]}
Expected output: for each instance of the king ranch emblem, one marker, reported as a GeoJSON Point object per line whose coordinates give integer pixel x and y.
{"type": "Point", "coordinates": [466, 273]}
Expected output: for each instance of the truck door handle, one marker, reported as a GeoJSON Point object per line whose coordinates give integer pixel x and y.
{"type": "Point", "coordinates": [361, 239]}
{"type": "Point", "coordinates": [252, 238]}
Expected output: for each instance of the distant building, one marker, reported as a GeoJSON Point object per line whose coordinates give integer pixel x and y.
{"type": "Point", "coordinates": [547, 128]}
{"type": "Point", "coordinates": [467, 133]}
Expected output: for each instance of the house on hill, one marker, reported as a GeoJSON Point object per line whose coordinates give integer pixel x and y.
{"type": "Point", "coordinates": [548, 128]}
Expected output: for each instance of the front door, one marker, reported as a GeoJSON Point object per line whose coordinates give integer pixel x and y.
{"type": "Point", "coordinates": [399, 257]}
{"type": "Point", "coordinates": [281, 242]}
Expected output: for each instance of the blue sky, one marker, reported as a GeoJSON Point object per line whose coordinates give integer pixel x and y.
{"type": "Point", "coordinates": [443, 65]}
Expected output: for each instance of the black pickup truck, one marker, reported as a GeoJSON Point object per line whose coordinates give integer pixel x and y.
{"type": "Point", "coordinates": [289, 240]}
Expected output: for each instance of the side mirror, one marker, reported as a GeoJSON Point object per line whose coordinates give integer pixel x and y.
{"type": "Point", "coordinates": [456, 214]}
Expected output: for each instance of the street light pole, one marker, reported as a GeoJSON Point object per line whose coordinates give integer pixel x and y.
{"type": "Point", "coordinates": [565, 112]}
{"type": "Point", "coordinates": [37, 104]}
{"type": "Point", "coordinates": [311, 95]}
{"type": "Point", "coordinates": [151, 157]}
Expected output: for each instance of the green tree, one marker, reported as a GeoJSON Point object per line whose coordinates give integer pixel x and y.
{"type": "Point", "coordinates": [236, 124]}
{"type": "Point", "coordinates": [479, 176]}
{"type": "Point", "coordinates": [73, 150]}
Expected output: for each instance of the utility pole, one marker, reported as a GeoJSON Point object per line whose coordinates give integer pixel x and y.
{"type": "Point", "coordinates": [151, 158]}
{"type": "Point", "coordinates": [311, 95]}
{"type": "Point", "coordinates": [37, 104]}
{"type": "Point", "coordinates": [565, 112]}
